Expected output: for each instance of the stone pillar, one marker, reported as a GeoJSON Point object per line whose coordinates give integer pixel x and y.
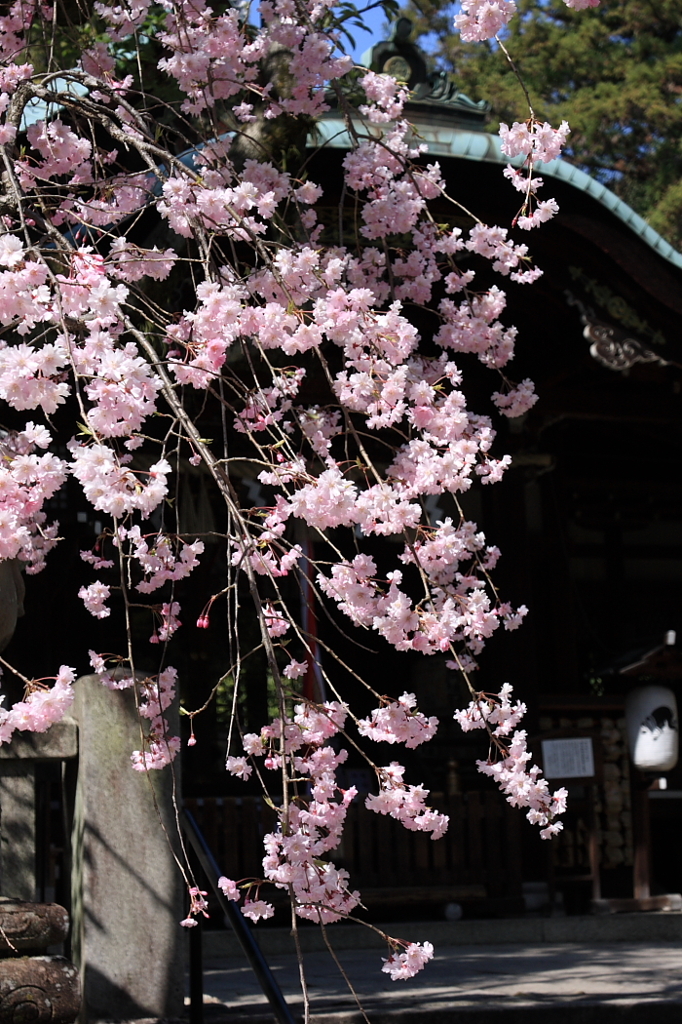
{"type": "Point", "coordinates": [127, 895]}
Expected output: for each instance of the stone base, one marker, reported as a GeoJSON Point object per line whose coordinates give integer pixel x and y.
{"type": "Point", "coordinates": [30, 926]}
{"type": "Point", "coordinates": [671, 901]}
{"type": "Point", "coordinates": [38, 990]}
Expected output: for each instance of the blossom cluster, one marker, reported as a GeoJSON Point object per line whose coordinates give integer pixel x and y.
{"type": "Point", "coordinates": [537, 143]}
{"type": "Point", "coordinates": [484, 19]}
{"type": "Point", "coordinates": [523, 786]}
{"type": "Point", "coordinates": [27, 481]}
{"type": "Point", "coordinates": [247, 306]}
{"type": "Point", "coordinates": [406, 803]}
{"type": "Point", "coordinates": [217, 49]}
{"type": "Point", "coordinates": [397, 722]}
{"type": "Point", "coordinates": [311, 827]}
{"type": "Point", "coordinates": [42, 706]}
{"type": "Point", "coordinates": [155, 694]}
{"type": "Point", "coordinates": [407, 964]}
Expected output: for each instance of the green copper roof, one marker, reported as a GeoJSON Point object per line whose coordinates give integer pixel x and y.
{"type": "Point", "coordinates": [466, 145]}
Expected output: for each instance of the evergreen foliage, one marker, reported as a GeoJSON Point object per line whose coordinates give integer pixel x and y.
{"type": "Point", "coordinates": [613, 72]}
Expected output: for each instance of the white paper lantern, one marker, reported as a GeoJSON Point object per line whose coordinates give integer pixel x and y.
{"type": "Point", "coordinates": [653, 735]}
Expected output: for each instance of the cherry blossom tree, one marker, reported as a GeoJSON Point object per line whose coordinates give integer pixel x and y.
{"type": "Point", "coordinates": [185, 117]}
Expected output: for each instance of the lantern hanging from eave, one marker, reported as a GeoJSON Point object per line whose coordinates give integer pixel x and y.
{"type": "Point", "coordinates": [653, 730]}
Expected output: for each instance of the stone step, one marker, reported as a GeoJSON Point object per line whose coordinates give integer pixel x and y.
{"type": "Point", "coordinates": [549, 983]}
{"type": "Point", "coordinates": [625, 1012]}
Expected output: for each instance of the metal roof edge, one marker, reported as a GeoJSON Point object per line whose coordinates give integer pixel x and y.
{"type": "Point", "coordinates": [481, 146]}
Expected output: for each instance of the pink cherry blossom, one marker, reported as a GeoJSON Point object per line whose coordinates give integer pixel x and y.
{"type": "Point", "coordinates": [517, 400]}
{"type": "Point", "coordinates": [238, 766]}
{"type": "Point", "coordinates": [229, 888]}
{"type": "Point", "coordinates": [483, 19]}
{"type": "Point", "coordinates": [397, 722]}
{"type": "Point", "coordinates": [42, 707]}
{"type": "Point", "coordinates": [405, 965]}
{"type": "Point", "coordinates": [523, 787]}
{"type": "Point", "coordinates": [257, 909]}
{"type": "Point", "coordinates": [160, 285]}
{"type": "Point", "coordinates": [94, 597]}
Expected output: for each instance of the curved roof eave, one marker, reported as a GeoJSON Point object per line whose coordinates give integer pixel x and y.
{"type": "Point", "coordinates": [466, 145]}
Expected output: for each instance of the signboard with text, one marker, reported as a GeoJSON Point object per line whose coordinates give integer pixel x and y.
{"type": "Point", "coordinates": [568, 758]}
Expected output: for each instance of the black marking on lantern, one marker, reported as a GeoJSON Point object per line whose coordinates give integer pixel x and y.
{"type": "Point", "coordinates": [659, 717]}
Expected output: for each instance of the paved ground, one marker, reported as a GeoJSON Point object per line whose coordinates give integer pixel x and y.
{"type": "Point", "coordinates": [570, 982]}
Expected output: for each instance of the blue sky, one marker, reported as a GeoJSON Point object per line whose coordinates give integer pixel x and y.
{"type": "Point", "coordinates": [376, 29]}
{"type": "Point", "coordinates": [373, 32]}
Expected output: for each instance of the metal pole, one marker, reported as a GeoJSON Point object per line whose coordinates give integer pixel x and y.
{"type": "Point", "coordinates": [259, 964]}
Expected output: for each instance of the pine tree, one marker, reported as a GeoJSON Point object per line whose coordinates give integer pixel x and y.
{"type": "Point", "coordinates": [613, 72]}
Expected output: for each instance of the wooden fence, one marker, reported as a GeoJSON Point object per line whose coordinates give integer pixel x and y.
{"type": "Point", "coordinates": [480, 853]}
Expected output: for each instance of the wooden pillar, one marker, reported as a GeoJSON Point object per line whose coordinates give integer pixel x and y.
{"type": "Point", "coordinates": [593, 842]}
{"type": "Point", "coordinates": [17, 800]}
{"type": "Point", "coordinates": [641, 871]}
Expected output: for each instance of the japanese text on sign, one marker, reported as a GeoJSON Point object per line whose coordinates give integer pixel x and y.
{"type": "Point", "coordinates": [568, 758]}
